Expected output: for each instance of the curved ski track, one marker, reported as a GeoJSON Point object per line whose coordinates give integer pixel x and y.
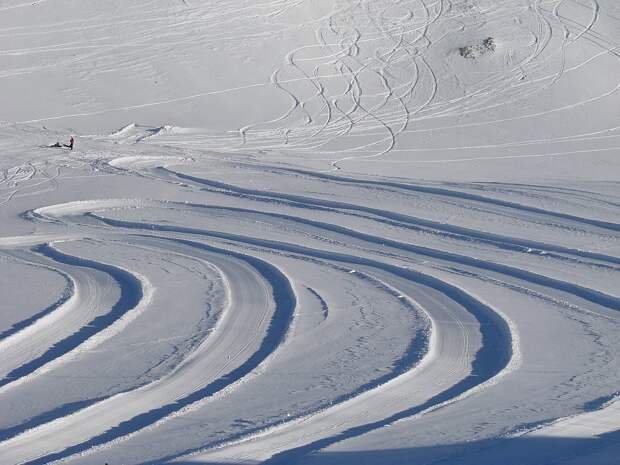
{"type": "Point", "coordinates": [453, 362]}
{"type": "Point", "coordinates": [422, 306]}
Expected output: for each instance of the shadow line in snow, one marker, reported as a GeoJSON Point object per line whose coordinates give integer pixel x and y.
{"type": "Point", "coordinates": [591, 295]}
{"type": "Point", "coordinates": [46, 417]}
{"type": "Point", "coordinates": [285, 304]}
{"type": "Point", "coordinates": [131, 293]}
{"type": "Point", "coordinates": [448, 230]}
{"type": "Point", "coordinates": [23, 324]}
{"type": "Point", "coordinates": [460, 195]}
{"type": "Point", "coordinates": [507, 451]}
{"type": "Point", "coordinates": [493, 356]}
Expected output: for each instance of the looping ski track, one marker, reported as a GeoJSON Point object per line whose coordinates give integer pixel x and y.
{"type": "Point", "coordinates": [251, 296]}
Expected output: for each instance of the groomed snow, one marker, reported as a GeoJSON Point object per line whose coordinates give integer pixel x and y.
{"type": "Point", "coordinates": [310, 232]}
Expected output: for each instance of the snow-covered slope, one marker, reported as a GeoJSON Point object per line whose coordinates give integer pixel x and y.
{"type": "Point", "coordinates": [314, 232]}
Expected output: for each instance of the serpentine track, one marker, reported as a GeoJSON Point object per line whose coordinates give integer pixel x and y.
{"type": "Point", "coordinates": [393, 238]}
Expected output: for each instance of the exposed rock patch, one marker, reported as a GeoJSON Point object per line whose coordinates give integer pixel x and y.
{"type": "Point", "coordinates": [476, 51]}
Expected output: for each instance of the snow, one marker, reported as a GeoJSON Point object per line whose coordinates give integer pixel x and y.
{"type": "Point", "coordinates": [310, 232]}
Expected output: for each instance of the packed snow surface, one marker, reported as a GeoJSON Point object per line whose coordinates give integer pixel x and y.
{"type": "Point", "coordinates": [310, 232]}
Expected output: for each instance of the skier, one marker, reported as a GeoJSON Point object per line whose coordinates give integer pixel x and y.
{"type": "Point", "coordinates": [70, 144]}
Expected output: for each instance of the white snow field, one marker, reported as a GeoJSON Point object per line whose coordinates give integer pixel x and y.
{"type": "Point", "coordinates": [310, 232]}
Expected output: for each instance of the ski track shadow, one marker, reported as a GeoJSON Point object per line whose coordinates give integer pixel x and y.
{"type": "Point", "coordinates": [512, 451]}
{"type": "Point", "coordinates": [285, 304]}
{"type": "Point", "coordinates": [131, 293]}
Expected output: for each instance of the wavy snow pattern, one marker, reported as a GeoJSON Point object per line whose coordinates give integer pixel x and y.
{"type": "Point", "coordinates": [432, 310]}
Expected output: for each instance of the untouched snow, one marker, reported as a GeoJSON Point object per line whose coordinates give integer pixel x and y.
{"type": "Point", "coordinates": [310, 232]}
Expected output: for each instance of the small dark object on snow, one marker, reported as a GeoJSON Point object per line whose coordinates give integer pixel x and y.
{"type": "Point", "coordinates": [70, 144]}
{"type": "Point", "coordinates": [489, 44]}
{"type": "Point", "coordinates": [476, 51]}
{"type": "Point", "coordinates": [57, 144]}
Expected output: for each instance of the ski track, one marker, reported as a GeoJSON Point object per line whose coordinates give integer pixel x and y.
{"type": "Point", "coordinates": [509, 243]}
{"type": "Point", "coordinates": [458, 389]}
{"type": "Point", "coordinates": [493, 329]}
{"type": "Point", "coordinates": [131, 293]}
{"type": "Point", "coordinates": [66, 295]}
{"type": "Point", "coordinates": [276, 329]}
{"type": "Point", "coordinates": [382, 81]}
{"type": "Point", "coordinates": [485, 366]}
{"type": "Point", "coordinates": [590, 295]}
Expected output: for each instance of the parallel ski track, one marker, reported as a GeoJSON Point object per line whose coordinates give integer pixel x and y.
{"type": "Point", "coordinates": [276, 330]}
{"type": "Point", "coordinates": [591, 295]}
{"type": "Point", "coordinates": [484, 316]}
{"type": "Point", "coordinates": [359, 41]}
{"type": "Point", "coordinates": [497, 348]}
{"type": "Point", "coordinates": [131, 293]}
{"type": "Point", "coordinates": [68, 291]}
{"type": "Point", "coordinates": [448, 230]}
{"type": "Point", "coordinates": [453, 194]}
{"type": "Point", "coordinates": [493, 327]}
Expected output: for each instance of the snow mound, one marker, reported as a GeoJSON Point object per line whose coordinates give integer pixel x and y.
{"type": "Point", "coordinates": [133, 133]}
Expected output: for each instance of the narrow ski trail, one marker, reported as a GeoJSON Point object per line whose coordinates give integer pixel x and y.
{"type": "Point", "coordinates": [309, 232]}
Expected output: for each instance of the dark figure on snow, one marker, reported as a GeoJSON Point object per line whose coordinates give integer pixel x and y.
{"type": "Point", "coordinates": [70, 144]}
